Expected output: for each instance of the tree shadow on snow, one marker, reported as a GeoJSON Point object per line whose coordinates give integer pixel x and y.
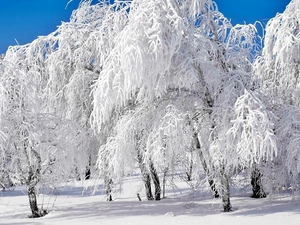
{"type": "Point", "coordinates": [165, 207]}
{"type": "Point", "coordinates": [176, 207]}
{"type": "Point", "coordinates": [59, 191]}
{"type": "Point", "coordinates": [265, 206]}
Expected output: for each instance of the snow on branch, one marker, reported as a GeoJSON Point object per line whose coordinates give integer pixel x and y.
{"type": "Point", "coordinates": [252, 131]}
{"type": "Point", "coordinates": [288, 132]}
{"type": "Point", "coordinates": [243, 44]}
{"type": "Point", "coordinates": [278, 67]}
{"type": "Point", "coordinates": [153, 52]}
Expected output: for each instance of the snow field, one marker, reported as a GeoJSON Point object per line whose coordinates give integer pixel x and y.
{"type": "Point", "coordinates": [71, 206]}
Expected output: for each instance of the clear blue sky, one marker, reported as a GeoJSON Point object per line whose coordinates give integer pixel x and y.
{"type": "Point", "coordinates": [249, 11]}
{"type": "Point", "coordinates": [25, 20]}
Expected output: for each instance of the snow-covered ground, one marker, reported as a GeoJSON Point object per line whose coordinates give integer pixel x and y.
{"type": "Point", "coordinates": [70, 205]}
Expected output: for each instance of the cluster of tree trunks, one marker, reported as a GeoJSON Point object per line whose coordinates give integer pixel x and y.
{"type": "Point", "coordinates": [155, 179]}
{"type": "Point", "coordinates": [146, 176]}
{"type": "Point", "coordinates": [151, 174]}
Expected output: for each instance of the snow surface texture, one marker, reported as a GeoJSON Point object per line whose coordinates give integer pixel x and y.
{"type": "Point", "coordinates": [70, 205]}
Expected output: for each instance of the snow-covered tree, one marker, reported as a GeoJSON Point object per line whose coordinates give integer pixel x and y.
{"type": "Point", "coordinates": [46, 104]}
{"type": "Point", "coordinates": [181, 51]}
{"type": "Point", "coordinates": [80, 50]}
{"type": "Point", "coordinates": [143, 42]}
{"type": "Point", "coordinates": [278, 67]}
{"type": "Point", "coordinates": [278, 70]}
{"type": "Point", "coordinates": [37, 144]}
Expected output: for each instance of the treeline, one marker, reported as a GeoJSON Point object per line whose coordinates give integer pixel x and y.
{"type": "Point", "coordinates": [157, 85]}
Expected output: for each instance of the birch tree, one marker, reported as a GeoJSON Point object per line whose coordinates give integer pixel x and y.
{"type": "Point", "coordinates": [232, 58]}
{"type": "Point", "coordinates": [36, 141]}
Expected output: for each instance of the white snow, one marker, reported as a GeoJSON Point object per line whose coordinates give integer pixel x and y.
{"type": "Point", "coordinates": [70, 205]}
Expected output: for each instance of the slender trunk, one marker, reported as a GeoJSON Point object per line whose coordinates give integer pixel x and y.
{"type": "Point", "coordinates": [164, 182]}
{"type": "Point", "coordinates": [108, 184]}
{"type": "Point", "coordinates": [205, 167]}
{"type": "Point", "coordinates": [147, 182]}
{"type": "Point", "coordinates": [213, 188]}
{"type": "Point", "coordinates": [139, 197]}
{"type": "Point", "coordinates": [33, 203]}
{"type": "Point", "coordinates": [88, 170]}
{"type": "Point", "coordinates": [189, 173]}
{"type": "Point", "coordinates": [156, 182]}
{"type": "Point", "coordinates": [87, 174]}
{"type": "Point", "coordinates": [34, 174]}
{"type": "Point", "coordinates": [225, 192]}
{"type": "Point", "coordinates": [257, 188]}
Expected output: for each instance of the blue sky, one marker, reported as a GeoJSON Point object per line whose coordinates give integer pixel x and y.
{"type": "Point", "coordinates": [25, 20]}
{"type": "Point", "coordinates": [249, 11]}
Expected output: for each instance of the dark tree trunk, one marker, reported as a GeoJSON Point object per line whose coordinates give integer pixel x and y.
{"type": "Point", "coordinates": [205, 167]}
{"type": "Point", "coordinates": [139, 197]}
{"type": "Point", "coordinates": [87, 174]}
{"type": "Point", "coordinates": [108, 184]}
{"type": "Point", "coordinates": [189, 173]}
{"type": "Point", "coordinates": [33, 178]}
{"type": "Point", "coordinates": [225, 192]}
{"type": "Point", "coordinates": [88, 170]}
{"type": "Point", "coordinates": [35, 212]}
{"type": "Point", "coordinates": [213, 188]}
{"type": "Point", "coordinates": [156, 182]}
{"type": "Point", "coordinates": [256, 183]}
{"type": "Point", "coordinates": [147, 182]}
